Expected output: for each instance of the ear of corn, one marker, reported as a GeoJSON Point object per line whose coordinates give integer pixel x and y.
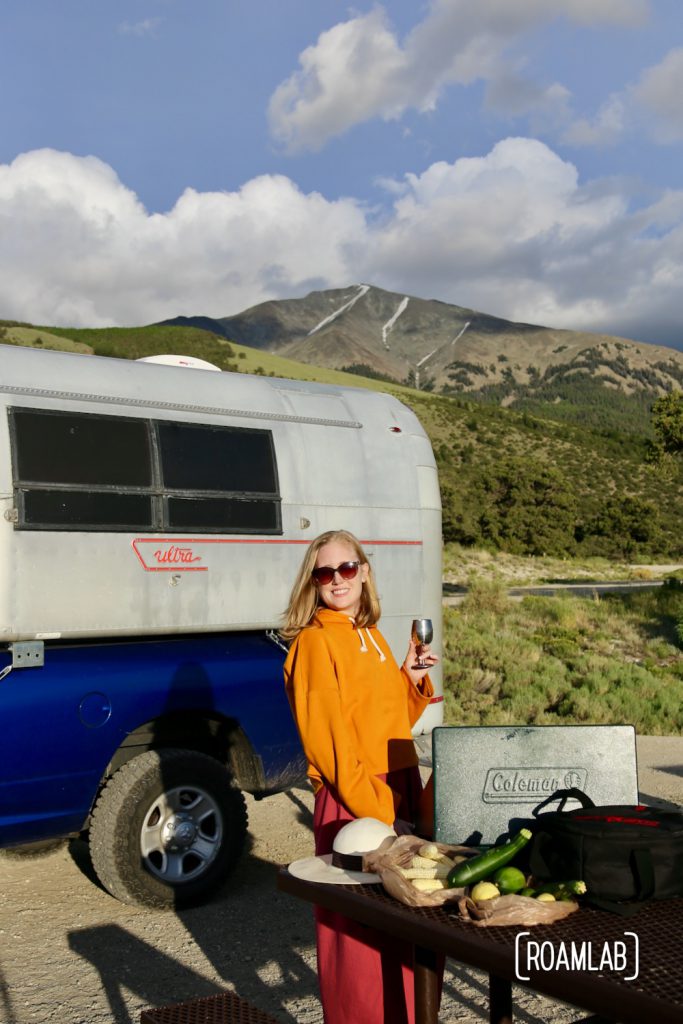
{"type": "Point", "coordinates": [430, 851]}
{"type": "Point", "coordinates": [429, 884]}
{"type": "Point", "coordinates": [425, 862]}
{"type": "Point", "coordinates": [433, 871]}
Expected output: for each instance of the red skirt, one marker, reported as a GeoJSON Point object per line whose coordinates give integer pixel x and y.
{"type": "Point", "coordinates": [365, 976]}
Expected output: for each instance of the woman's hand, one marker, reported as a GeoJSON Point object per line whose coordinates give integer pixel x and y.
{"type": "Point", "coordinates": [426, 655]}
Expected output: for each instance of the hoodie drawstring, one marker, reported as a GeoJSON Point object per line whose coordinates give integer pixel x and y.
{"type": "Point", "coordinates": [363, 645]}
{"type": "Point", "coordinates": [382, 656]}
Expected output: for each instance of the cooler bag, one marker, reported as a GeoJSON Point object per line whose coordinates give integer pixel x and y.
{"type": "Point", "coordinates": [621, 852]}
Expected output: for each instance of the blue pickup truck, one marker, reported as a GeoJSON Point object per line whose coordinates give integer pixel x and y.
{"type": "Point", "coordinates": [152, 519]}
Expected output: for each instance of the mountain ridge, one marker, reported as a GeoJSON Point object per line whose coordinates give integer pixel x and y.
{"type": "Point", "coordinates": [444, 347]}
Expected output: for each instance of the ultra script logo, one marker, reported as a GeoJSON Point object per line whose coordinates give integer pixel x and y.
{"type": "Point", "coordinates": [159, 555]}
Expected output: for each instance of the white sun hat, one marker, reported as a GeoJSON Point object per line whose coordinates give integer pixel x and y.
{"type": "Point", "coordinates": [345, 864]}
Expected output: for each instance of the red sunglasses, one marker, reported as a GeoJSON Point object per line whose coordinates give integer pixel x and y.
{"type": "Point", "coordinates": [325, 573]}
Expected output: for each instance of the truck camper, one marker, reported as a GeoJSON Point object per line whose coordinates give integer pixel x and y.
{"type": "Point", "coordinates": [152, 520]}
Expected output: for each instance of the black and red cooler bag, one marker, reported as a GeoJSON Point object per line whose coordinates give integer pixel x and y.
{"type": "Point", "coordinates": [620, 852]}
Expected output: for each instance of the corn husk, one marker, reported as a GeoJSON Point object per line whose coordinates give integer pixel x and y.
{"type": "Point", "coordinates": [394, 859]}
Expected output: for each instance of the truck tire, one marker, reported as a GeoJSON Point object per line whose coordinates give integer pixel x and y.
{"type": "Point", "coordinates": [167, 828]}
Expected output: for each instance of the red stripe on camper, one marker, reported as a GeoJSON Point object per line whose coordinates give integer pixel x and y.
{"type": "Point", "coordinates": [177, 557]}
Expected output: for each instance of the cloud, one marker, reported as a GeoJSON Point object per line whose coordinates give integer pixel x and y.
{"type": "Point", "coordinates": [78, 248]}
{"type": "Point", "coordinates": [513, 232]}
{"type": "Point", "coordinates": [650, 108]}
{"type": "Point", "coordinates": [513, 94]}
{"type": "Point", "coordinates": [358, 69]}
{"type": "Point", "coordinates": [147, 27]}
{"type": "Point", "coordinates": [659, 93]}
{"type": "Point", "coordinates": [606, 128]}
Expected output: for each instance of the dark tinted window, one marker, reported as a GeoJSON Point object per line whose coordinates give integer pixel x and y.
{"type": "Point", "coordinates": [77, 509]}
{"type": "Point", "coordinates": [227, 515]}
{"type": "Point", "coordinates": [84, 471]}
{"type": "Point", "coordinates": [199, 458]}
{"type": "Point", "coordinates": [65, 448]}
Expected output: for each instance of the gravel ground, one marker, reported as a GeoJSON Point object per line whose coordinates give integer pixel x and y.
{"type": "Point", "coordinates": [70, 953]}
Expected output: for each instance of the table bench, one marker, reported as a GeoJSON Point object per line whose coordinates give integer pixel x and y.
{"type": "Point", "coordinates": [224, 1008]}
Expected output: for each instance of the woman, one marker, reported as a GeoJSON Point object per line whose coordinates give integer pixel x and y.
{"type": "Point", "coordinates": [354, 709]}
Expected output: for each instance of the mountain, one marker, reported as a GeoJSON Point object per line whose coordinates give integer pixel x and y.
{"type": "Point", "coordinates": [444, 347]}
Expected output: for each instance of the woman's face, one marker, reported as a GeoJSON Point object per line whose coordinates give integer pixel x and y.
{"type": "Point", "coordinates": [341, 595]}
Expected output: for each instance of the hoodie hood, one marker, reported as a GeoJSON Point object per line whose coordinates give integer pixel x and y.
{"type": "Point", "coordinates": [330, 617]}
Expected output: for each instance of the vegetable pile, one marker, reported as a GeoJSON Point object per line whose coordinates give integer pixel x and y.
{"type": "Point", "coordinates": [489, 874]}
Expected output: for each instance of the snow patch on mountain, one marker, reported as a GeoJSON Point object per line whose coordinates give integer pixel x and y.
{"type": "Point", "coordinates": [390, 323]}
{"type": "Point", "coordinates": [440, 347]}
{"type": "Point", "coordinates": [460, 333]}
{"type": "Point", "coordinates": [362, 289]}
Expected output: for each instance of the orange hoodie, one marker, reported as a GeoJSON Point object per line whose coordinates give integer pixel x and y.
{"type": "Point", "coordinates": [354, 708]}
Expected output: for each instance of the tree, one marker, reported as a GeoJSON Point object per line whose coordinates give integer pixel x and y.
{"type": "Point", "coordinates": [667, 423]}
{"type": "Point", "coordinates": [530, 509]}
{"type": "Point", "coordinates": [627, 523]}
{"type": "Point", "coordinates": [520, 505]}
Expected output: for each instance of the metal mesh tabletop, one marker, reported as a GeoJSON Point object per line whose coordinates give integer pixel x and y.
{"type": "Point", "coordinates": [655, 994]}
{"type": "Point", "coordinates": [224, 1008]}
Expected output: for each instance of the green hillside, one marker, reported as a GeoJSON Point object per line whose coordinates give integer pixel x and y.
{"type": "Point", "coordinates": [511, 480]}
{"type": "Point", "coordinates": [580, 397]}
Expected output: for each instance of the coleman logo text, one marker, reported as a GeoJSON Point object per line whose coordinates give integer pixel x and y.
{"type": "Point", "coordinates": [529, 784]}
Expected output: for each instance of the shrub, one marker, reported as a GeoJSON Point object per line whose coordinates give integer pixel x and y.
{"type": "Point", "coordinates": [564, 660]}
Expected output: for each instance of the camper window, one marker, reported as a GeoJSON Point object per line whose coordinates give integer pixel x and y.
{"type": "Point", "coordinates": [90, 472]}
{"type": "Point", "coordinates": [203, 458]}
{"type": "Point", "coordinates": [234, 516]}
{"type": "Point", "coordinates": [58, 448]}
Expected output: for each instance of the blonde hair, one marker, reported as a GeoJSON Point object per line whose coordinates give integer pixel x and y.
{"type": "Point", "coordinates": [304, 599]}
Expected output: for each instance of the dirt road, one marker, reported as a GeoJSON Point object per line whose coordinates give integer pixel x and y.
{"type": "Point", "coordinates": [70, 953]}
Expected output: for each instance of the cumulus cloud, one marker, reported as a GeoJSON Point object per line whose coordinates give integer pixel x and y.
{"type": "Point", "coordinates": [359, 69]}
{"type": "Point", "coordinates": [514, 232]}
{"type": "Point", "coordinates": [77, 247]}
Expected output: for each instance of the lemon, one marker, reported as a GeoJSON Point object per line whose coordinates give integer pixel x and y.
{"type": "Point", "coordinates": [484, 891]}
{"type": "Point", "coordinates": [509, 879]}
{"type": "Point", "coordinates": [545, 897]}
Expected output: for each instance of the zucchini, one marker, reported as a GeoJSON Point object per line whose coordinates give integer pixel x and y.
{"type": "Point", "coordinates": [484, 864]}
{"type": "Point", "coordinates": [564, 890]}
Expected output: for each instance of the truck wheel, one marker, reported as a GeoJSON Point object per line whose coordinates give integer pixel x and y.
{"type": "Point", "coordinates": [167, 828]}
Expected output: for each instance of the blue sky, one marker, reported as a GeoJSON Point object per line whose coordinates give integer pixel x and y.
{"type": "Point", "coordinates": [522, 157]}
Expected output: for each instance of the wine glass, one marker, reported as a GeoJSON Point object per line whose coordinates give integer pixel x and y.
{"type": "Point", "coordinates": [421, 632]}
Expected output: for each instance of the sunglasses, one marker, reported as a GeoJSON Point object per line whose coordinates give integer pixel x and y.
{"type": "Point", "coordinates": [325, 573]}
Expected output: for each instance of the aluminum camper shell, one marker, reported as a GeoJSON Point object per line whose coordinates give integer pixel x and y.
{"type": "Point", "coordinates": [343, 458]}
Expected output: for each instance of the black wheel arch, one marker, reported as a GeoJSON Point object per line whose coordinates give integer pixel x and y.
{"type": "Point", "coordinates": [217, 736]}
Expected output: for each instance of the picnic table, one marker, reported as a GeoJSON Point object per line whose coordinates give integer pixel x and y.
{"type": "Point", "coordinates": [653, 937]}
